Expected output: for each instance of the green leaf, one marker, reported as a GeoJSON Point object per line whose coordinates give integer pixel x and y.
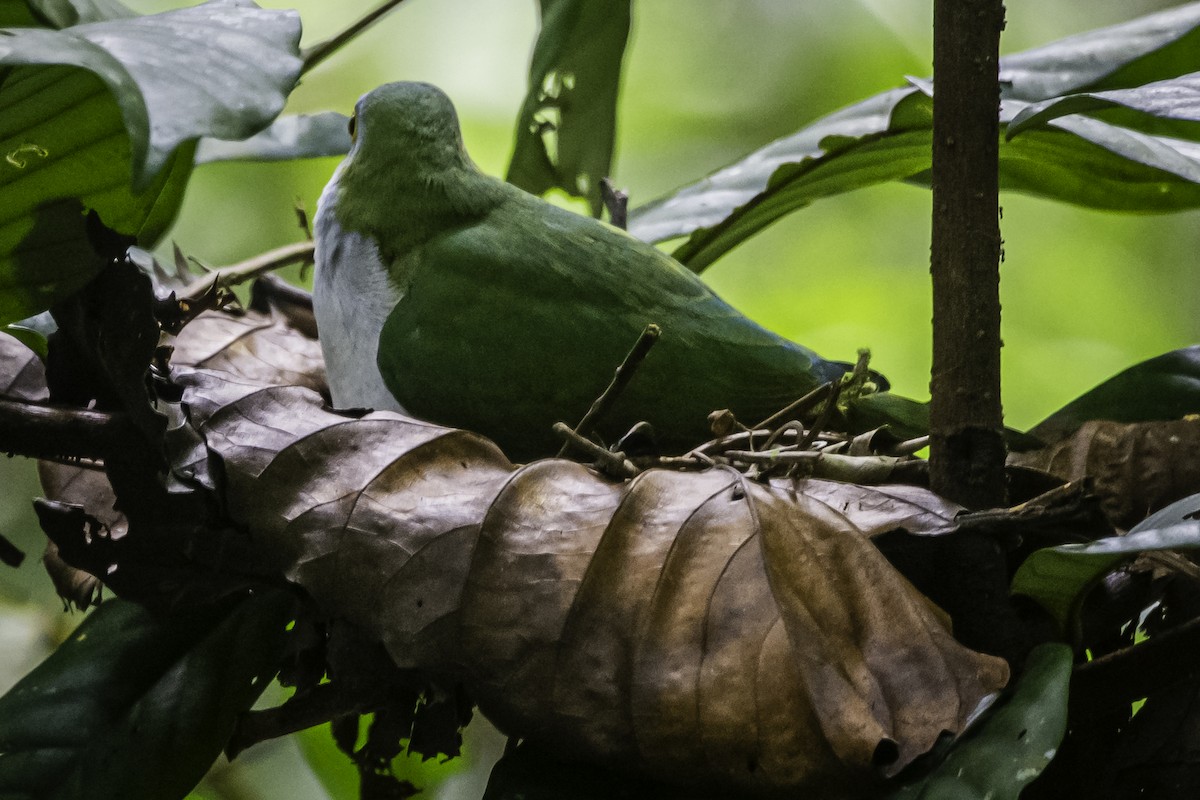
{"type": "Point", "coordinates": [65, 13]}
{"type": "Point", "coordinates": [884, 138]}
{"type": "Point", "coordinates": [287, 138]}
{"type": "Point", "coordinates": [104, 116]}
{"type": "Point", "coordinates": [135, 706]}
{"type": "Point", "coordinates": [1165, 387]}
{"type": "Point", "coordinates": [1150, 48]}
{"type": "Point", "coordinates": [567, 125]}
{"type": "Point", "coordinates": [1171, 99]}
{"type": "Point", "coordinates": [1008, 749]}
{"type": "Point", "coordinates": [888, 137]}
{"type": "Point", "coordinates": [1060, 577]}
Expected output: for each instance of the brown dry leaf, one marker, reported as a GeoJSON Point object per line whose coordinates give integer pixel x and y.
{"type": "Point", "coordinates": [253, 347]}
{"type": "Point", "coordinates": [697, 627]}
{"type": "Point", "coordinates": [1137, 468]}
{"type": "Point", "coordinates": [89, 488]}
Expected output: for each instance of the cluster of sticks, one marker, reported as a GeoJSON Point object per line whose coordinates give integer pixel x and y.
{"type": "Point", "coordinates": [782, 445]}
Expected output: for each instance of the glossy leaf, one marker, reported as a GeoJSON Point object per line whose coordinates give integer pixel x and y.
{"type": "Point", "coordinates": [567, 125]}
{"type": "Point", "coordinates": [103, 116]}
{"type": "Point", "coordinates": [289, 137]}
{"type": "Point", "coordinates": [1013, 744]}
{"type": "Point", "coordinates": [887, 137]}
{"type": "Point", "coordinates": [1150, 48]}
{"type": "Point", "coordinates": [613, 621]}
{"type": "Point", "coordinates": [1172, 99]}
{"type": "Point", "coordinates": [1165, 387]}
{"type": "Point", "coordinates": [134, 706]}
{"type": "Point", "coordinates": [1059, 577]}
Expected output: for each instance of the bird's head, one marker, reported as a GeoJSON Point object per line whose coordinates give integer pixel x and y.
{"type": "Point", "coordinates": [407, 125]}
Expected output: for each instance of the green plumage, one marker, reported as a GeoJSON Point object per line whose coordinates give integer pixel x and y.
{"type": "Point", "coordinates": [513, 314]}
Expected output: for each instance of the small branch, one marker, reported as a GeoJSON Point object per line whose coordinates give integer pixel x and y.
{"type": "Point", "coordinates": [621, 378]}
{"type": "Point", "coordinates": [612, 463]}
{"type": "Point", "coordinates": [798, 408]}
{"type": "Point", "coordinates": [319, 52]}
{"type": "Point", "coordinates": [823, 419]}
{"type": "Point", "coordinates": [300, 252]}
{"type": "Point", "coordinates": [1134, 672]}
{"type": "Point", "coordinates": [39, 431]}
{"type": "Point", "coordinates": [323, 703]}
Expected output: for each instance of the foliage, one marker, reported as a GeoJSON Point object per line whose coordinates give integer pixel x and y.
{"type": "Point", "coordinates": [753, 627]}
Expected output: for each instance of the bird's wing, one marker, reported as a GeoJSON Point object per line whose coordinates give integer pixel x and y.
{"type": "Point", "coordinates": [519, 320]}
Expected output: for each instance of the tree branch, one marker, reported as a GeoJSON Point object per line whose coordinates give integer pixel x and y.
{"type": "Point", "coordinates": [39, 431]}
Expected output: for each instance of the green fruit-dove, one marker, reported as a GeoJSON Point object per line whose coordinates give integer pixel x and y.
{"type": "Point", "coordinates": [455, 297]}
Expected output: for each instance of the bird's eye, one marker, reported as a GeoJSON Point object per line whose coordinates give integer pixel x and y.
{"type": "Point", "coordinates": [353, 126]}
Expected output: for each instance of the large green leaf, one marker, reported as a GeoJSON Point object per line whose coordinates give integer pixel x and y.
{"type": "Point", "coordinates": [1165, 387]}
{"type": "Point", "coordinates": [567, 125]}
{"type": "Point", "coordinates": [1011, 747]}
{"type": "Point", "coordinates": [137, 707]}
{"type": "Point", "coordinates": [103, 116]}
{"type": "Point", "coordinates": [1060, 577]}
{"type": "Point", "coordinates": [888, 137]}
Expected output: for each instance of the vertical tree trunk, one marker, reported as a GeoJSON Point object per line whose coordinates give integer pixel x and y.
{"type": "Point", "coordinates": [967, 423]}
{"type": "Point", "coordinates": [967, 436]}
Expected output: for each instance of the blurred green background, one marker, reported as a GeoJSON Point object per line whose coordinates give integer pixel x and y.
{"type": "Point", "coordinates": [1085, 293]}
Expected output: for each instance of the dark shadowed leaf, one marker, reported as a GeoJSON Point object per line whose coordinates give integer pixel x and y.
{"type": "Point", "coordinates": [137, 707]}
{"type": "Point", "coordinates": [887, 138]}
{"type": "Point", "coordinates": [103, 116]}
{"type": "Point", "coordinates": [1165, 387]}
{"type": "Point", "coordinates": [567, 124]}
{"type": "Point", "coordinates": [1009, 748]}
{"type": "Point", "coordinates": [646, 625]}
{"type": "Point", "coordinates": [290, 137]}
{"type": "Point", "coordinates": [64, 13]}
{"type": "Point", "coordinates": [16, 13]}
{"type": "Point", "coordinates": [1059, 577]}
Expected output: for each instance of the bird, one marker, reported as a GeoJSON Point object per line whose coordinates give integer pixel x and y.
{"type": "Point", "coordinates": [452, 296]}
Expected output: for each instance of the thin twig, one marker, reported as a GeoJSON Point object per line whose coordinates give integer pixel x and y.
{"type": "Point", "coordinates": [621, 378]}
{"type": "Point", "coordinates": [319, 52]}
{"type": "Point", "coordinates": [612, 463]}
{"type": "Point", "coordinates": [617, 203]}
{"type": "Point", "coordinates": [1133, 672]}
{"type": "Point", "coordinates": [322, 703]}
{"type": "Point", "coordinates": [835, 391]}
{"type": "Point", "coordinates": [300, 252]}
{"type": "Point", "coordinates": [797, 408]}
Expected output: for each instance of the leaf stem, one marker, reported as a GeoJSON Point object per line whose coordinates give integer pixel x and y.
{"type": "Point", "coordinates": [319, 52]}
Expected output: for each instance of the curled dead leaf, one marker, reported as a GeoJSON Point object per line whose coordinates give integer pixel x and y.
{"type": "Point", "coordinates": [1137, 468]}
{"type": "Point", "coordinates": [700, 628]}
